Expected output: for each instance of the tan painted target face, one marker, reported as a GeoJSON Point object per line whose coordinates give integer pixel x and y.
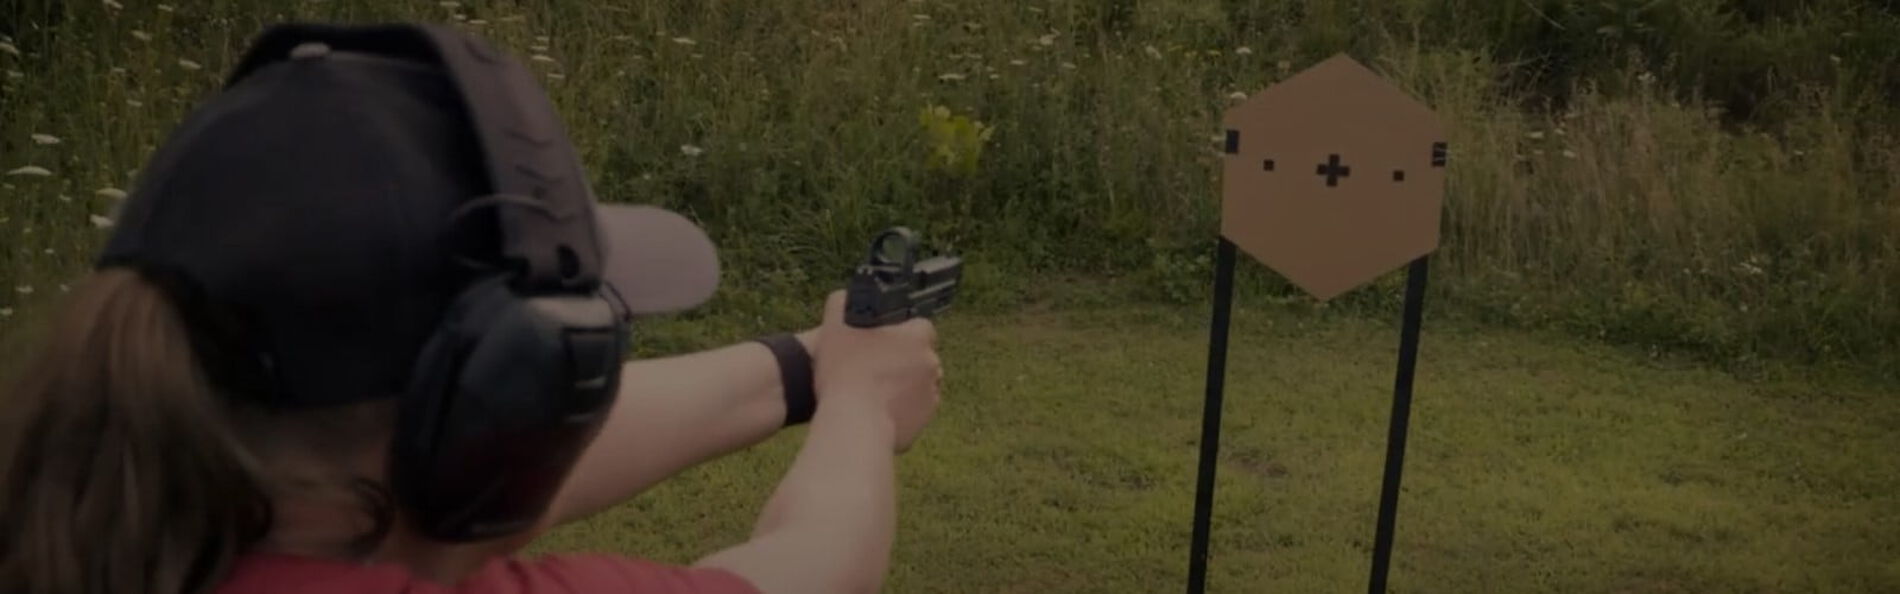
{"type": "Point", "coordinates": [1333, 177]}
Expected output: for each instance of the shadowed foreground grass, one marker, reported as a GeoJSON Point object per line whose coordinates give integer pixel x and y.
{"type": "Point", "coordinates": [1064, 461]}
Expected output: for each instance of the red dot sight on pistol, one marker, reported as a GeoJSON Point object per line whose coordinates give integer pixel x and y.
{"type": "Point", "coordinates": [890, 287]}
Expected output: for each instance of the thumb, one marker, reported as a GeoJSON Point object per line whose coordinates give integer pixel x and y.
{"type": "Point", "coordinates": [834, 308]}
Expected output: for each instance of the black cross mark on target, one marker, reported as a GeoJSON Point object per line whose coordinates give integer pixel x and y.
{"type": "Point", "coordinates": [1333, 170]}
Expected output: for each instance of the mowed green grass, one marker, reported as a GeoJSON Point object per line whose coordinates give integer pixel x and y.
{"type": "Point", "coordinates": [1064, 460]}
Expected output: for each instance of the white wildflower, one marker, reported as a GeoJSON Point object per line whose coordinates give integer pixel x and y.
{"type": "Point", "coordinates": [1535, 135]}
{"type": "Point", "coordinates": [543, 58]}
{"type": "Point", "coordinates": [1152, 52]}
{"type": "Point", "coordinates": [1833, 58]}
{"type": "Point", "coordinates": [1569, 154]}
{"type": "Point", "coordinates": [189, 65]}
{"type": "Point", "coordinates": [117, 70]}
{"type": "Point", "coordinates": [557, 76]}
{"type": "Point", "coordinates": [1243, 51]}
{"type": "Point", "coordinates": [450, 4]}
{"type": "Point", "coordinates": [9, 48]}
{"type": "Point", "coordinates": [65, 198]}
{"type": "Point", "coordinates": [31, 170]}
{"type": "Point", "coordinates": [995, 76]}
{"type": "Point", "coordinates": [1237, 95]}
{"type": "Point", "coordinates": [24, 289]}
{"type": "Point", "coordinates": [949, 77]}
{"type": "Point", "coordinates": [141, 36]}
{"type": "Point", "coordinates": [541, 39]}
{"type": "Point", "coordinates": [1068, 65]}
{"type": "Point", "coordinates": [114, 5]}
{"type": "Point", "coordinates": [64, 289]}
{"type": "Point", "coordinates": [167, 8]}
{"type": "Point", "coordinates": [134, 103]}
{"type": "Point", "coordinates": [538, 48]}
{"type": "Point", "coordinates": [6, 312]}
{"type": "Point", "coordinates": [920, 17]}
{"type": "Point", "coordinates": [1018, 62]}
{"type": "Point", "coordinates": [691, 151]}
{"type": "Point", "coordinates": [15, 74]}
{"type": "Point", "coordinates": [113, 193]}
{"type": "Point", "coordinates": [49, 251]}
{"type": "Point", "coordinates": [1284, 65]}
{"type": "Point", "coordinates": [459, 17]}
{"type": "Point", "coordinates": [477, 22]}
{"type": "Point", "coordinates": [101, 222]}
{"type": "Point", "coordinates": [1047, 40]}
{"type": "Point", "coordinates": [45, 139]}
{"type": "Point", "coordinates": [685, 41]}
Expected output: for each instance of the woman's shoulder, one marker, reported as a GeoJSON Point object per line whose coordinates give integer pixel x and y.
{"type": "Point", "coordinates": [554, 574]}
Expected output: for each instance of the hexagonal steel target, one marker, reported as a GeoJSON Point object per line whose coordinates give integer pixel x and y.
{"type": "Point", "coordinates": [1333, 177]}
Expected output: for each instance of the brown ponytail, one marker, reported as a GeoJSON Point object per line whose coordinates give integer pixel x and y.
{"type": "Point", "coordinates": [122, 468]}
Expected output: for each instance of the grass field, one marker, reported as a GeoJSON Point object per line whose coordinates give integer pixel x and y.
{"type": "Point", "coordinates": [1064, 459]}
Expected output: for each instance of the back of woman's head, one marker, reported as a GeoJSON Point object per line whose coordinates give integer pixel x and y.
{"type": "Point", "coordinates": [292, 271]}
{"type": "Point", "coordinates": [122, 469]}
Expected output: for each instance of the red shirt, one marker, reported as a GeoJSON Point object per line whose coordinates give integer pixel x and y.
{"type": "Point", "coordinates": [573, 574]}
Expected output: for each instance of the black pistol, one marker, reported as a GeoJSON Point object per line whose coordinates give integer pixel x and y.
{"type": "Point", "coordinates": [892, 287]}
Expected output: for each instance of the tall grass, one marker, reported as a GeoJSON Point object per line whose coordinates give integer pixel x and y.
{"type": "Point", "coordinates": [1715, 177]}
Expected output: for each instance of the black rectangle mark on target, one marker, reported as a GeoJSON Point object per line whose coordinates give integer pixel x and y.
{"type": "Point", "coordinates": [1233, 141]}
{"type": "Point", "coordinates": [1438, 154]}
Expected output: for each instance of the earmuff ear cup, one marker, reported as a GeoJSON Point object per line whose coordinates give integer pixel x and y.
{"type": "Point", "coordinates": [506, 397]}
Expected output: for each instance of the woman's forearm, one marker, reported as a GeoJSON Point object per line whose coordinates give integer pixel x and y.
{"type": "Point", "coordinates": [829, 526]}
{"type": "Point", "coordinates": [672, 414]}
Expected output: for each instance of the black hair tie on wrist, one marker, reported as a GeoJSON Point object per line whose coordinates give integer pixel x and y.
{"type": "Point", "coordinates": [794, 372]}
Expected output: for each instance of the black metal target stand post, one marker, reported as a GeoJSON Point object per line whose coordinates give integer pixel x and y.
{"type": "Point", "coordinates": [1415, 277]}
{"type": "Point", "coordinates": [1323, 204]}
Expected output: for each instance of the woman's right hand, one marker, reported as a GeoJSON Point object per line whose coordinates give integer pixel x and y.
{"type": "Point", "coordinates": [894, 369]}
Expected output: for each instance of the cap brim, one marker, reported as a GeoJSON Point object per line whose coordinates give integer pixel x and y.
{"type": "Point", "coordinates": [657, 260]}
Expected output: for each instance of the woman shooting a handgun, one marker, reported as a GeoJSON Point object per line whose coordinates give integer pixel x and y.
{"type": "Point", "coordinates": [361, 328]}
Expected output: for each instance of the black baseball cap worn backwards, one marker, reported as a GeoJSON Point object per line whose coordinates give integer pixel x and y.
{"type": "Point", "coordinates": [320, 214]}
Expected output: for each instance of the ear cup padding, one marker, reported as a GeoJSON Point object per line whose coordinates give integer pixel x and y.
{"type": "Point", "coordinates": [506, 397]}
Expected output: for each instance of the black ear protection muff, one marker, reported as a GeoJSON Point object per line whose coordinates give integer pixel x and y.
{"type": "Point", "coordinates": [525, 364]}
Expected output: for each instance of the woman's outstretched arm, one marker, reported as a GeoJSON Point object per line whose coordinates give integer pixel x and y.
{"type": "Point", "coordinates": [672, 414]}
